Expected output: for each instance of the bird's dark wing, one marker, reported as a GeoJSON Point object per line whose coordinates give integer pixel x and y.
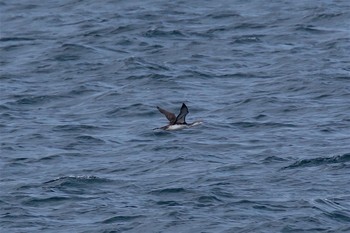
{"type": "Point", "coordinates": [180, 119]}
{"type": "Point", "coordinates": [169, 115]}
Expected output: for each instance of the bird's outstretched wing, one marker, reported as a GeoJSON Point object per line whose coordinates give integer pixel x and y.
{"type": "Point", "coordinates": [169, 115]}
{"type": "Point", "coordinates": [180, 119]}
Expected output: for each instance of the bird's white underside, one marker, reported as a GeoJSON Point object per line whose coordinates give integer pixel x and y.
{"type": "Point", "coordinates": [177, 127]}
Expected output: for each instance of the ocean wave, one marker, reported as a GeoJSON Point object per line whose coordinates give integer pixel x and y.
{"type": "Point", "coordinates": [320, 161]}
{"type": "Point", "coordinates": [72, 181]}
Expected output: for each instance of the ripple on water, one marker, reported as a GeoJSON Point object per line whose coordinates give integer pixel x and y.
{"type": "Point", "coordinates": [320, 161]}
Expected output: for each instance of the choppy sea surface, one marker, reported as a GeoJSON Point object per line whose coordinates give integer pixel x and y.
{"type": "Point", "coordinates": [79, 86]}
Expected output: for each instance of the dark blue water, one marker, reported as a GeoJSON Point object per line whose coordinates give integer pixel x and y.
{"type": "Point", "coordinates": [79, 86]}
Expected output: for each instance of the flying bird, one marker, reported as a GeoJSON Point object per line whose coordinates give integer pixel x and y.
{"type": "Point", "coordinates": [179, 121]}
